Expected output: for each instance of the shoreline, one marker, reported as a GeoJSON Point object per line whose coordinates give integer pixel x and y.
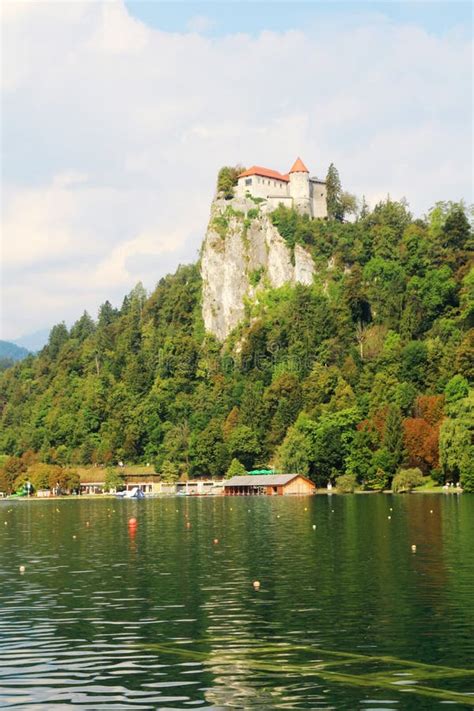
{"type": "Point", "coordinates": [318, 492]}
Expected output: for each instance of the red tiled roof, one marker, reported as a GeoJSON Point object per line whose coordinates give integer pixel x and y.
{"type": "Point", "coordinates": [265, 173]}
{"type": "Point", "coordinates": [299, 167]}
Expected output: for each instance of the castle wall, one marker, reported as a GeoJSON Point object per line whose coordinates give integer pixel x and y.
{"type": "Point", "coordinates": [273, 201]}
{"type": "Point", "coordinates": [261, 187]}
{"type": "Point", "coordinates": [318, 194]}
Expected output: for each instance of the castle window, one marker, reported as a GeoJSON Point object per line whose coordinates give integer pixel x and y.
{"type": "Point", "coordinates": [248, 181]}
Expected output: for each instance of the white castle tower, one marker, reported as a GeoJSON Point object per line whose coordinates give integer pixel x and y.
{"type": "Point", "coordinates": [299, 186]}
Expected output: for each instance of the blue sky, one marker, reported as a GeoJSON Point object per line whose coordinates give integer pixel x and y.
{"type": "Point", "coordinates": [116, 117]}
{"type": "Point", "coordinates": [252, 17]}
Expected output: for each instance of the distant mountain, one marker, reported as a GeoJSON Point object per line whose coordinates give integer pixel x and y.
{"type": "Point", "coordinates": [35, 341]}
{"type": "Point", "coordinates": [12, 351]}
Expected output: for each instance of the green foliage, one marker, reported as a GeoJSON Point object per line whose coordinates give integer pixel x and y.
{"type": "Point", "coordinates": [227, 180]}
{"type": "Point", "coordinates": [256, 275]}
{"type": "Point", "coordinates": [114, 479]}
{"type": "Point", "coordinates": [220, 224]}
{"type": "Point", "coordinates": [169, 472]}
{"type": "Point", "coordinates": [456, 443]}
{"type": "Point", "coordinates": [406, 479]}
{"type": "Point", "coordinates": [393, 439]}
{"type": "Point", "coordinates": [235, 469]}
{"type": "Point", "coordinates": [243, 445]}
{"type": "Point", "coordinates": [294, 453]}
{"type": "Point", "coordinates": [334, 194]}
{"type": "Point", "coordinates": [346, 483]}
{"type": "Point", "coordinates": [456, 389]}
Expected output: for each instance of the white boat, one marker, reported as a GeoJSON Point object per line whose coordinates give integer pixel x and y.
{"type": "Point", "coordinates": [135, 493]}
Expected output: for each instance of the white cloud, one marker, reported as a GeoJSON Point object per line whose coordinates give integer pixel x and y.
{"type": "Point", "coordinates": [113, 133]}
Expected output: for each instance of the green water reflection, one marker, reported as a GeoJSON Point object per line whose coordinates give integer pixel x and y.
{"type": "Point", "coordinates": [347, 616]}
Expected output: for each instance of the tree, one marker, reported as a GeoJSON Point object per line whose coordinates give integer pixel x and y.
{"type": "Point", "coordinates": [421, 441]}
{"type": "Point", "coordinates": [414, 359]}
{"type": "Point", "coordinates": [379, 474]}
{"type": "Point", "coordinates": [114, 479]}
{"type": "Point", "coordinates": [169, 472]}
{"type": "Point", "coordinates": [235, 469]}
{"type": "Point", "coordinates": [358, 460]}
{"type": "Point", "coordinates": [83, 328]}
{"type": "Point", "coordinates": [456, 443]}
{"type": "Point", "coordinates": [393, 438]}
{"type": "Point", "coordinates": [107, 314]}
{"type": "Point", "coordinates": [406, 479]}
{"type": "Point", "coordinates": [293, 455]}
{"type": "Point", "coordinates": [334, 194]}
{"type": "Point", "coordinates": [209, 454]}
{"type": "Point", "coordinates": [349, 205]}
{"type": "Point", "coordinates": [243, 445]}
{"type": "Point", "coordinates": [430, 408]}
{"type": "Point", "coordinates": [57, 338]}
{"type": "Point", "coordinates": [456, 389]}
{"type": "Point", "coordinates": [329, 443]}
{"type": "Point", "coordinates": [283, 402]}
{"type": "Point", "coordinates": [346, 483]}
{"type": "Point", "coordinates": [227, 180]}
{"type": "Point", "coordinates": [456, 229]}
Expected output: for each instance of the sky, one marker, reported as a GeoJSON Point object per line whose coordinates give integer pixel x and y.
{"type": "Point", "coordinates": [116, 117]}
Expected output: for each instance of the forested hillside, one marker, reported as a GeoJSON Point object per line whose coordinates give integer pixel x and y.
{"type": "Point", "coordinates": [365, 372]}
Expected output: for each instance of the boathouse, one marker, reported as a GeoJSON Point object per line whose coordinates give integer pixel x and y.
{"type": "Point", "coordinates": [269, 485]}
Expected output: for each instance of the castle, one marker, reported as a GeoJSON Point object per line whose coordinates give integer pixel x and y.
{"type": "Point", "coordinates": [294, 189]}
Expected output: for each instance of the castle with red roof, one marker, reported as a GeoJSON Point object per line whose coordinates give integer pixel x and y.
{"type": "Point", "coordinates": [293, 189]}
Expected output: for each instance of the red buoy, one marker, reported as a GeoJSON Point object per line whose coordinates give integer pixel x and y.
{"type": "Point", "coordinates": [132, 521]}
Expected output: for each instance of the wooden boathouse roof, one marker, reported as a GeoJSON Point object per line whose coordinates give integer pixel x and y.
{"type": "Point", "coordinates": [263, 480]}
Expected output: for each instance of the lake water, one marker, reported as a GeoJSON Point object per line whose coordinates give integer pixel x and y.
{"type": "Point", "coordinates": [161, 617]}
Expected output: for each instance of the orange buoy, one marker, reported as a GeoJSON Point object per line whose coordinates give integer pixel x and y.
{"type": "Point", "coordinates": [216, 541]}
{"type": "Point", "coordinates": [256, 584]}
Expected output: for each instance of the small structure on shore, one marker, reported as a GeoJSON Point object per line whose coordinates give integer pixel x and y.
{"type": "Point", "coordinates": [268, 484]}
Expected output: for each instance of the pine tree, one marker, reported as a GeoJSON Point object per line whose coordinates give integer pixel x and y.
{"type": "Point", "coordinates": [235, 469]}
{"type": "Point", "coordinates": [334, 194]}
{"type": "Point", "coordinates": [393, 437]}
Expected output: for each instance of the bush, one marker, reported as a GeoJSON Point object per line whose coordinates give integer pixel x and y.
{"type": "Point", "coordinates": [255, 276]}
{"type": "Point", "coordinates": [406, 479]}
{"type": "Point", "coordinates": [346, 483]}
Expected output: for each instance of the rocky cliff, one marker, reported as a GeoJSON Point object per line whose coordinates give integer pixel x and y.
{"type": "Point", "coordinates": [242, 254]}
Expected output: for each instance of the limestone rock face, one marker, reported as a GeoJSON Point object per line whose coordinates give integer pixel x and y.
{"type": "Point", "coordinates": [242, 254]}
